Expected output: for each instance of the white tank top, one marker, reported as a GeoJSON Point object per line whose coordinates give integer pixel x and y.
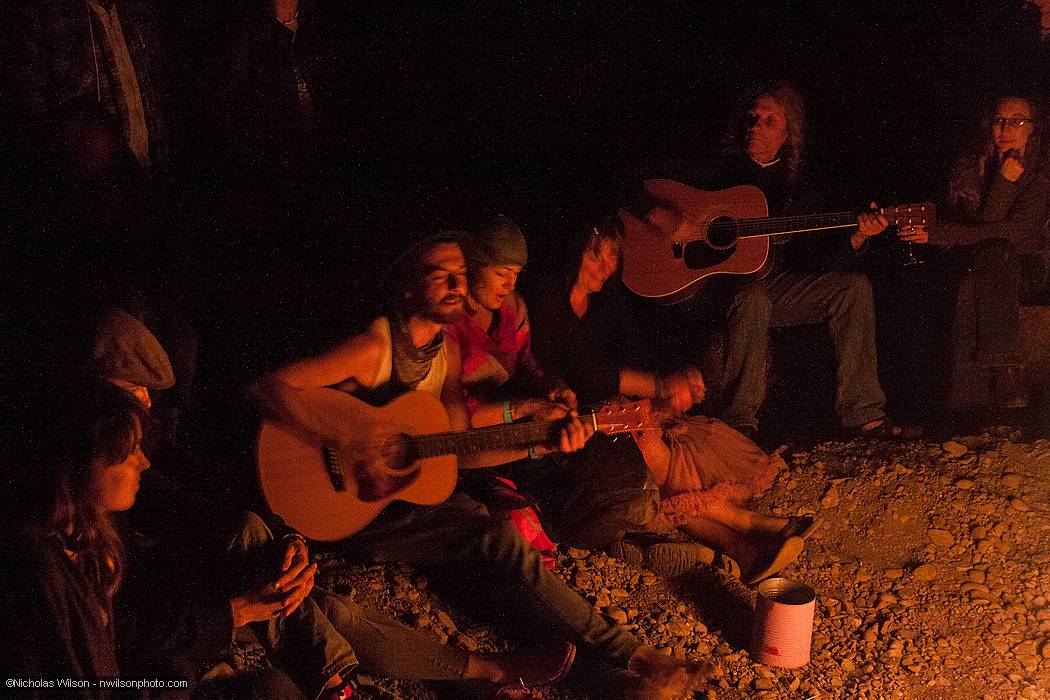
{"type": "Point", "coordinates": [430, 383]}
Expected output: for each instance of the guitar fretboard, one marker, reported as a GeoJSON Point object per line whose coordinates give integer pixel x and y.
{"type": "Point", "coordinates": [775, 225]}
{"type": "Point", "coordinates": [514, 435]}
{"type": "Point", "coordinates": [750, 228]}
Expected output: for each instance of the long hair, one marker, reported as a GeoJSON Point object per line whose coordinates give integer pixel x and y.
{"type": "Point", "coordinates": [60, 454]}
{"type": "Point", "coordinates": [788, 97]}
{"type": "Point", "coordinates": [979, 162]}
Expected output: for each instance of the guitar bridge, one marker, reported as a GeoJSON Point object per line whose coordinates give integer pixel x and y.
{"type": "Point", "coordinates": [335, 473]}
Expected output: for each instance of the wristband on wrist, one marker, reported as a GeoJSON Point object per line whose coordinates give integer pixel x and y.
{"type": "Point", "coordinates": [508, 412]}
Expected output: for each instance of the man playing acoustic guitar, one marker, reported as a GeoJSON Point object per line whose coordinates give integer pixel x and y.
{"type": "Point", "coordinates": [408, 350]}
{"type": "Point", "coordinates": [808, 283]}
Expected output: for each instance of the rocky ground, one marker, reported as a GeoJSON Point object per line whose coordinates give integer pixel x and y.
{"type": "Point", "coordinates": [932, 573]}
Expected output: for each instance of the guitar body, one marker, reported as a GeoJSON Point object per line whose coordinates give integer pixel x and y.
{"type": "Point", "coordinates": [673, 250]}
{"type": "Point", "coordinates": [300, 478]}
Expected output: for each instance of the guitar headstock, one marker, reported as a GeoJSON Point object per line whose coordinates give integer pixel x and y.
{"type": "Point", "coordinates": [924, 213]}
{"type": "Point", "coordinates": [623, 417]}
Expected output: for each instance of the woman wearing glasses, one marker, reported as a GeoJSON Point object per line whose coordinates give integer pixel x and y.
{"type": "Point", "coordinates": [994, 232]}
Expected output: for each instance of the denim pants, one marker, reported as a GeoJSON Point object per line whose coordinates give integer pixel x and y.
{"type": "Point", "coordinates": [842, 300]}
{"type": "Point", "coordinates": [461, 535]}
{"type": "Point", "coordinates": [329, 634]}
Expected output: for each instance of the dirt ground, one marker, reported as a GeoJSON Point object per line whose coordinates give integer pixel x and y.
{"type": "Point", "coordinates": [932, 572]}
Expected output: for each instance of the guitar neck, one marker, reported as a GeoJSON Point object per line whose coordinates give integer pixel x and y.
{"type": "Point", "coordinates": [513, 435]}
{"type": "Point", "coordinates": [776, 225]}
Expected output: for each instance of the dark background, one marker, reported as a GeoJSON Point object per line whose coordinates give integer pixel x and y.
{"type": "Point", "coordinates": [541, 110]}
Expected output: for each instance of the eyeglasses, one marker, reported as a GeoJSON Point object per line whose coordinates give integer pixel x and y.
{"type": "Point", "coordinates": [1012, 122]}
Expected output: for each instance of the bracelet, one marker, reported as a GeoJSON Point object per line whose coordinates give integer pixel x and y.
{"type": "Point", "coordinates": [508, 412]}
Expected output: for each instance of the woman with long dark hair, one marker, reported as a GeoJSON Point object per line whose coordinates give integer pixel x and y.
{"type": "Point", "coordinates": [994, 233]}
{"type": "Point", "coordinates": [72, 462]}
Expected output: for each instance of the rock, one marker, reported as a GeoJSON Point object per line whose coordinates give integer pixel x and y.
{"type": "Point", "coordinates": [445, 621]}
{"type": "Point", "coordinates": [468, 643]}
{"type": "Point", "coordinates": [830, 498]}
{"type": "Point", "coordinates": [1018, 505]}
{"type": "Point", "coordinates": [679, 628]}
{"type": "Point", "coordinates": [578, 553]}
{"type": "Point", "coordinates": [954, 449]}
{"type": "Point", "coordinates": [941, 538]}
{"type": "Point", "coordinates": [617, 614]}
{"type": "Point", "coordinates": [763, 683]}
{"type": "Point", "coordinates": [1011, 481]}
{"type": "Point", "coordinates": [1044, 650]}
{"type": "Point", "coordinates": [926, 572]}
{"type": "Point", "coordinates": [964, 484]}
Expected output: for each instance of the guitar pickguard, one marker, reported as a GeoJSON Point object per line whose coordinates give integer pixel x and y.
{"type": "Point", "coordinates": [698, 254]}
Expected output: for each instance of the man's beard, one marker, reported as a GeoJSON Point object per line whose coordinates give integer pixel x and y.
{"type": "Point", "coordinates": [443, 313]}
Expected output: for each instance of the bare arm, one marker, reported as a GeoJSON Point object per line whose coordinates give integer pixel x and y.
{"type": "Point", "coordinates": [279, 394]}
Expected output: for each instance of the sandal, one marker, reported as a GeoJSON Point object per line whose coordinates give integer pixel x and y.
{"type": "Point", "coordinates": [885, 429]}
{"type": "Point", "coordinates": [801, 526]}
{"type": "Point", "coordinates": [784, 555]}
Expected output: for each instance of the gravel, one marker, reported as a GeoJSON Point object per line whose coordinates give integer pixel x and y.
{"type": "Point", "coordinates": [932, 573]}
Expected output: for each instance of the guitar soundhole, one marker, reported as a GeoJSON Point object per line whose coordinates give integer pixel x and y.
{"type": "Point", "coordinates": [399, 453]}
{"type": "Point", "coordinates": [722, 233]}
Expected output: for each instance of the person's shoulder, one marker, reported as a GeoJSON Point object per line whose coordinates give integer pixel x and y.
{"type": "Point", "coordinates": [375, 335]}
{"type": "Point", "coordinates": [31, 554]}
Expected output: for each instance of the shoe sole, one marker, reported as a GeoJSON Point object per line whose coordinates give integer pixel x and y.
{"type": "Point", "coordinates": [789, 550]}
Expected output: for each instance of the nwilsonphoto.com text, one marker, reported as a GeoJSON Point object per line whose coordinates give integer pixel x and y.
{"type": "Point", "coordinates": [59, 684]}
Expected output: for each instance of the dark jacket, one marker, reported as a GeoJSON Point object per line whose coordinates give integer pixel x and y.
{"type": "Point", "coordinates": [167, 611]}
{"type": "Point", "coordinates": [53, 622]}
{"type": "Point", "coordinates": [587, 353]}
{"type": "Point", "coordinates": [1014, 211]}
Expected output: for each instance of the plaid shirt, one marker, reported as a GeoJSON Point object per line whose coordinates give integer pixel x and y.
{"type": "Point", "coordinates": [62, 59]}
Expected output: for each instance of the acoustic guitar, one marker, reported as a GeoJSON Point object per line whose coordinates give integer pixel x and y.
{"type": "Point", "coordinates": [692, 235]}
{"type": "Point", "coordinates": [403, 451]}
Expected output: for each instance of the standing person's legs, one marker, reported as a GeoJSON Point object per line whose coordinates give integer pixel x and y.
{"type": "Point", "coordinates": [845, 301]}
{"type": "Point", "coordinates": [460, 533]}
{"type": "Point", "coordinates": [746, 345]}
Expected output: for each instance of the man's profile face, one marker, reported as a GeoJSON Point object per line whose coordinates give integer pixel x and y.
{"type": "Point", "coordinates": [767, 129]}
{"type": "Point", "coordinates": [443, 288]}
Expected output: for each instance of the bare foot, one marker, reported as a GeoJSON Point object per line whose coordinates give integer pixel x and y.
{"type": "Point", "coordinates": [663, 677]}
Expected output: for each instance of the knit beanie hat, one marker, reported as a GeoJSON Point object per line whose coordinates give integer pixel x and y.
{"type": "Point", "coordinates": [500, 242]}
{"type": "Point", "coordinates": [123, 348]}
